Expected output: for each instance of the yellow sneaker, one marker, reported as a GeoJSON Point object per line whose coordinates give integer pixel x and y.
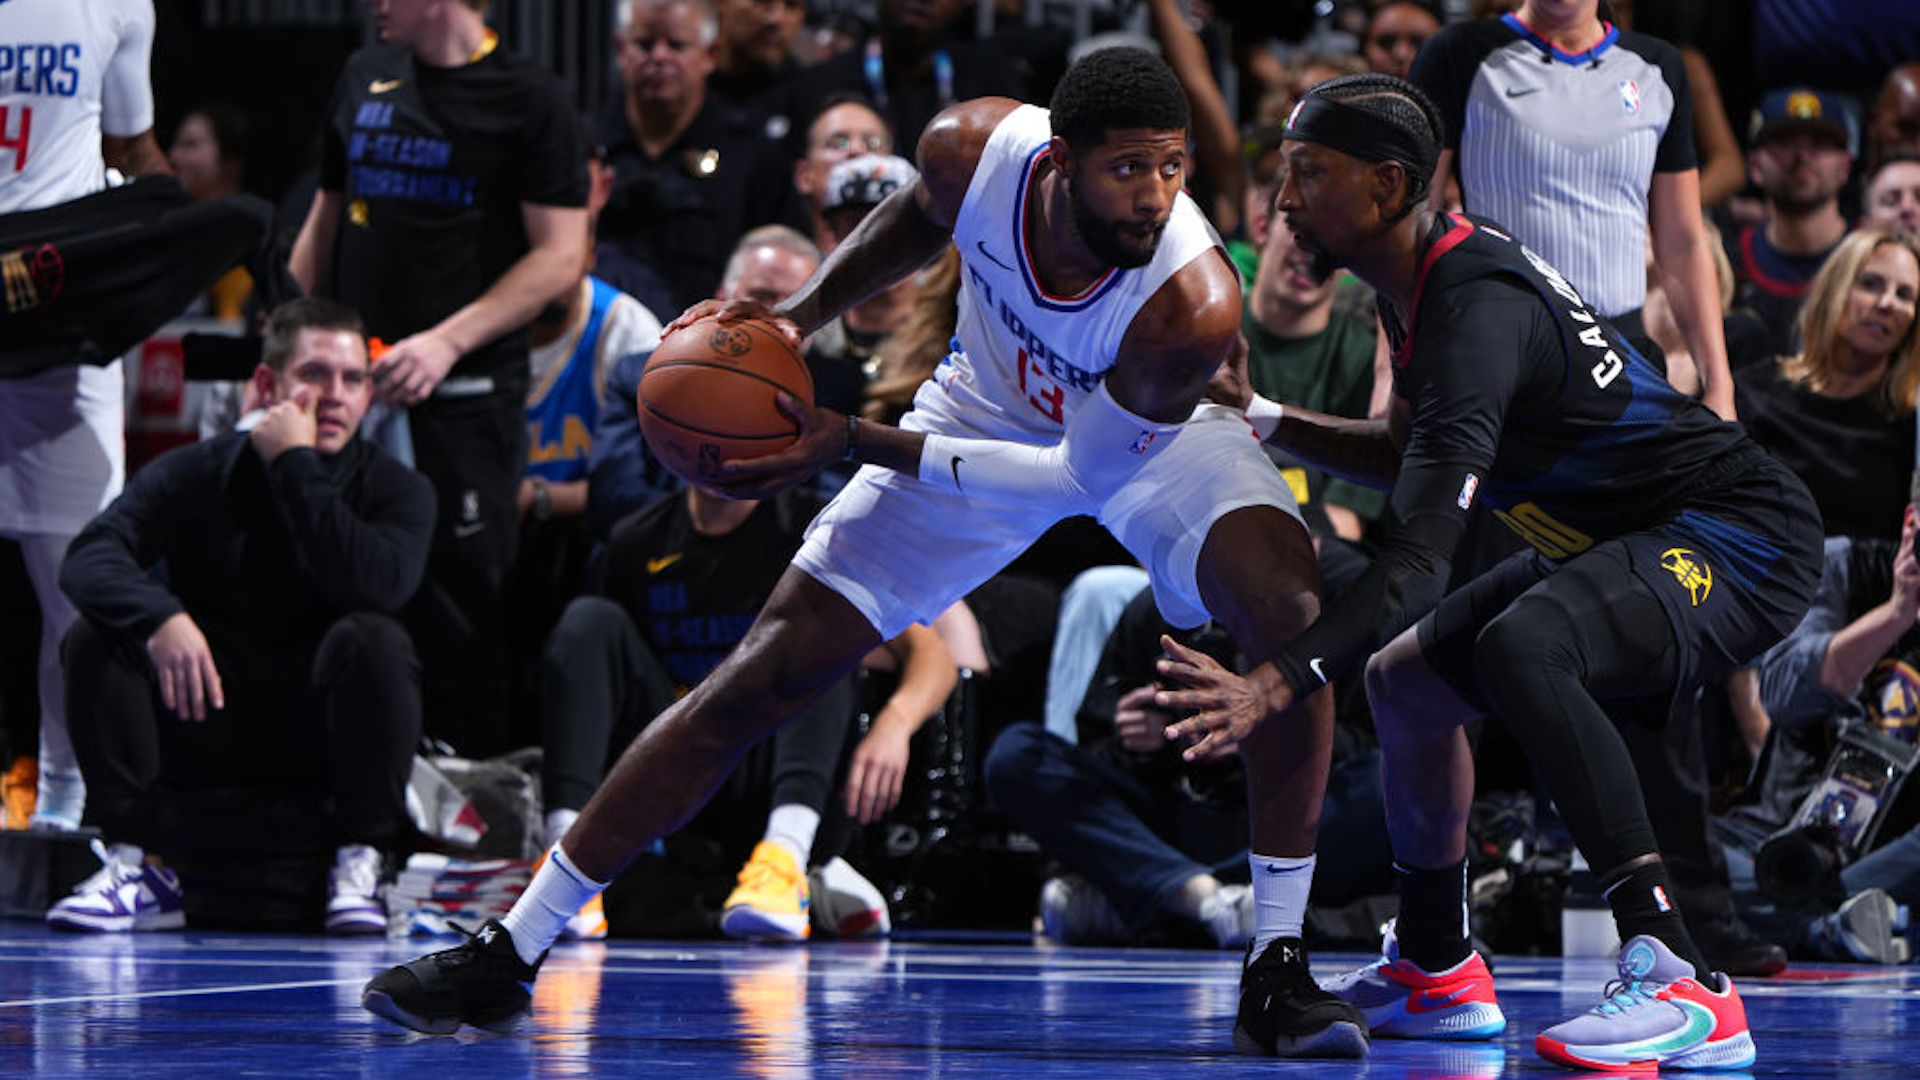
{"type": "Point", "coordinates": [770, 903]}
{"type": "Point", "coordinates": [19, 790]}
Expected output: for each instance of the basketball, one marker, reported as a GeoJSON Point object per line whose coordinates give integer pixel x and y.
{"type": "Point", "coordinates": [709, 394]}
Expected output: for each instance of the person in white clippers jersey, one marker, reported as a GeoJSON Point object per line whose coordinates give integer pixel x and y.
{"type": "Point", "coordinates": [1096, 306]}
{"type": "Point", "coordinates": [74, 102]}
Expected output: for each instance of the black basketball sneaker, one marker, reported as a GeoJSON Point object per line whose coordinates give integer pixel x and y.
{"type": "Point", "coordinates": [481, 982]}
{"type": "Point", "coordinates": [1284, 1013]}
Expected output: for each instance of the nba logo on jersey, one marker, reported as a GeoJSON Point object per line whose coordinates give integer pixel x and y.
{"type": "Point", "coordinates": [1141, 443]}
{"type": "Point", "coordinates": [1467, 489]}
{"type": "Point", "coordinates": [1630, 97]}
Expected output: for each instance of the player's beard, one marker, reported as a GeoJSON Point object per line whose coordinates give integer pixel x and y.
{"type": "Point", "coordinates": [1322, 264]}
{"type": "Point", "coordinates": [1107, 242]}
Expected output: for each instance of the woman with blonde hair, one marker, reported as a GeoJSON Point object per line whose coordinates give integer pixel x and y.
{"type": "Point", "coordinates": [917, 347]}
{"type": "Point", "coordinates": [1840, 413]}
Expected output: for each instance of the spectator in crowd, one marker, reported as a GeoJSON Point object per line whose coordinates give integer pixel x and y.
{"type": "Point", "coordinates": [907, 358]}
{"type": "Point", "coordinates": [433, 119]}
{"type": "Point", "coordinates": [843, 354]}
{"type": "Point", "coordinates": [209, 158]}
{"type": "Point", "coordinates": [1302, 351]}
{"type": "Point", "coordinates": [574, 343]}
{"type": "Point", "coordinates": [1801, 148]}
{"type": "Point", "coordinates": [845, 128]}
{"type": "Point", "coordinates": [1839, 411]}
{"type": "Point", "coordinates": [1528, 100]}
{"type": "Point", "coordinates": [1893, 192]}
{"type": "Point", "coordinates": [1395, 33]}
{"type": "Point", "coordinates": [1143, 838]}
{"type": "Point", "coordinates": [1894, 126]}
{"type": "Point", "coordinates": [753, 65]}
{"type": "Point", "coordinates": [687, 183]}
{"type": "Point", "coordinates": [62, 451]}
{"type": "Point", "coordinates": [914, 66]}
{"type": "Point", "coordinates": [1848, 664]}
{"type": "Point", "coordinates": [1215, 177]}
{"type": "Point", "coordinates": [265, 651]}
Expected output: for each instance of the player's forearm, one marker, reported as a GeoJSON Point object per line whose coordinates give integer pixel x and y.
{"type": "Point", "coordinates": [892, 241]}
{"type": "Point", "coordinates": [1356, 450]}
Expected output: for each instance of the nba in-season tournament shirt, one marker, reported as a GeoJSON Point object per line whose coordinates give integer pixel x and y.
{"type": "Point", "coordinates": [433, 165]}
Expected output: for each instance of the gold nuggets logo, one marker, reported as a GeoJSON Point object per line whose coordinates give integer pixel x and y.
{"type": "Point", "coordinates": [1802, 105]}
{"type": "Point", "coordinates": [730, 341]}
{"type": "Point", "coordinates": [33, 277]}
{"type": "Point", "coordinates": [1692, 574]}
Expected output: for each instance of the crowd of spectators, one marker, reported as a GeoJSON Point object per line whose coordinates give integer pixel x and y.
{"type": "Point", "coordinates": [520, 571]}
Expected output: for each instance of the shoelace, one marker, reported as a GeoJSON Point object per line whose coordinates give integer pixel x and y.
{"type": "Point", "coordinates": [1622, 995]}
{"type": "Point", "coordinates": [111, 873]}
{"type": "Point", "coordinates": [763, 875]}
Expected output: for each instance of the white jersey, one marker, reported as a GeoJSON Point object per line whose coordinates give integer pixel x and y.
{"type": "Point", "coordinates": [70, 70]}
{"type": "Point", "coordinates": [1024, 359]}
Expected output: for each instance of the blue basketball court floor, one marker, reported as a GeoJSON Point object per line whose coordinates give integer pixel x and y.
{"type": "Point", "coordinates": [217, 1005]}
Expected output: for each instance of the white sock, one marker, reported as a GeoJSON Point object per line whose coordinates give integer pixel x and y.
{"type": "Point", "coordinates": [1280, 887]}
{"type": "Point", "coordinates": [558, 822]}
{"type": "Point", "coordinates": [792, 827]}
{"type": "Point", "coordinates": [553, 896]}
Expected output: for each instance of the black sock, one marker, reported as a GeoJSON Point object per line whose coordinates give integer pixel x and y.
{"type": "Point", "coordinates": [1432, 925]}
{"type": "Point", "coordinates": [1642, 903]}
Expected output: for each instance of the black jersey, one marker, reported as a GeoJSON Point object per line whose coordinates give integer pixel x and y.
{"type": "Point", "coordinates": [1522, 397]}
{"type": "Point", "coordinates": [434, 164]}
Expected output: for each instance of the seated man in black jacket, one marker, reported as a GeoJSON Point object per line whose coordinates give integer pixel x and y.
{"type": "Point", "coordinates": [266, 654]}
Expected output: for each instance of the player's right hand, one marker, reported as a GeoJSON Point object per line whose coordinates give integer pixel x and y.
{"type": "Point", "coordinates": [189, 681]}
{"type": "Point", "coordinates": [733, 311]}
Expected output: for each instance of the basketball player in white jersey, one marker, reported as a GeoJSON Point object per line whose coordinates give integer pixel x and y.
{"type": "Point", "coordinates": [1095, 306]}
{"type": "Point", "coordinates": [74, 101]}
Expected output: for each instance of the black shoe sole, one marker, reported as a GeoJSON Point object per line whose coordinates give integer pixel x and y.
{"type": "Point", "coordinates": [1341, 1039]}
{"type": "Point", "coordinates": [379, 1004]}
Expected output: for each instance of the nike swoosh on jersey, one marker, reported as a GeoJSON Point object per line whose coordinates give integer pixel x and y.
{"type": "Point", "coordinates": [982, 245]}
{"type": "Point", "coordinates": [957, 459]}
{"type": "Point", "coordinates": [382, 86]}
{"type": "Point", "coordinates": [659, 563]}
{"type": "Point", "coordinates": [1522, 91]}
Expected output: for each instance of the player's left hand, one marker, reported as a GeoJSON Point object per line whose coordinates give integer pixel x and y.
{"type": "Point", "coordinates": [1225, 708]}
{"type": "Point", "coordinates": [408, 372]}
{"type": "Point", "coordinates": [822, 441]}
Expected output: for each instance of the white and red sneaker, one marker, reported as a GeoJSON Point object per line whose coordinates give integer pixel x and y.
{"type": "Point", "coordinates": [1658, 1015]}
{"type": "Point", "coordinates": [1401, 1000]}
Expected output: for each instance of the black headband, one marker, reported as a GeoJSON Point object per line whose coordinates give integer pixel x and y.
{"type": "Point", "coordinates": [1361, 134]}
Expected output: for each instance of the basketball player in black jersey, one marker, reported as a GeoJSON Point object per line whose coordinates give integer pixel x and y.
{"type": "Point", "coordinates": [1666, 547]}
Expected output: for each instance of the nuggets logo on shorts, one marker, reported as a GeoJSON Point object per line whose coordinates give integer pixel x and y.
{"type": "Point", "coordinates": [33, 277]}
{"type": "Point", "coordinates": [1692, 574]}
{"type": "Point", "coordinates": [730, 341]}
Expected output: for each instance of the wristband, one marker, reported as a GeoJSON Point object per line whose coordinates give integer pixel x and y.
{"type": "Point", "coordinates": [853, 437]}
{"type": "Point", "coordinates": [1264, 415]}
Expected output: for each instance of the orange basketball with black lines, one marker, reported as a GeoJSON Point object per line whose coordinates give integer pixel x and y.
{"type": "Point", "coordinates": [709, 394]}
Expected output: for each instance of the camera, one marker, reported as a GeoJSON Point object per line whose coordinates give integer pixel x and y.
{"type": "Point", "coordinates": [1838, 821]}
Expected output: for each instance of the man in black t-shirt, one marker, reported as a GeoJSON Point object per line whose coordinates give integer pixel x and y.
{"type": "Point", "coordinates": [689, 178]}
{"type": "Point", "coordinates": [1667, 547]}
{"type": "Point", "coordinates": [451, 209]}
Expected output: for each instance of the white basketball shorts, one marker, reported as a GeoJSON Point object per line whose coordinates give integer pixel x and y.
{"type": "Point", "coordinates": [902, 552]}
